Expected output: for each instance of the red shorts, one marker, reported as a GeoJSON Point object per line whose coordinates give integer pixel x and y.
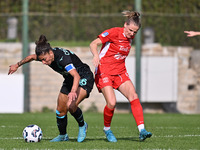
{"type": "Point", "coordinates": [110, 80]}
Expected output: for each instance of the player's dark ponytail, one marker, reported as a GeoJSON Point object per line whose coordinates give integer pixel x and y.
{"type": "Point", "coordinates": [132, 16]}
{"type": "Point", "coordinates": [42, 46]}
{"type": "Point", "coordinates": [42, 40]}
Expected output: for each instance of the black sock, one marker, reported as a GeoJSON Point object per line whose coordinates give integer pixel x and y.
{"type": "Point", "coordinates": [78, 116]}
{"type": "Point", "coordinates": [62, 124]}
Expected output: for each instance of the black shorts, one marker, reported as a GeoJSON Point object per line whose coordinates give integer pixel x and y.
{"type": "Point", "coordinates": [86, 81]}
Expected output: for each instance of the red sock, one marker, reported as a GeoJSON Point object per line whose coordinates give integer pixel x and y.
{"type": "Point", "coordinates": [137, 111]}
{"type": "Point", "coordinates": [108, 114]}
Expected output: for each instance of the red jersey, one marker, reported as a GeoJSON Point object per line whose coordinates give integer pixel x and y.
{"type": "Point", "coordinates": [115, 48]}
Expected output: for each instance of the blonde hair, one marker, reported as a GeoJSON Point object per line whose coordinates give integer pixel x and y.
{"type": "Point", "coordinates": [132, 16]}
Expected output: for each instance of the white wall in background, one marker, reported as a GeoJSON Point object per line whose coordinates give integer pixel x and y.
{"type": "Point", "coordinates": [159, 78]}
{"type": "Point", "coordinates": [11, 93]}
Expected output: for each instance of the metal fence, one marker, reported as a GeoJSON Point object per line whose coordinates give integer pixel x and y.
{"type": "Point", "coordinates": [83, 20]}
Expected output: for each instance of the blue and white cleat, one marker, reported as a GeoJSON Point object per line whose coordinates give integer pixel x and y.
{"type": "Point", "coordinates": [110, 136]}
{"type": "Point", "coordinates": [60, 138]}
{"type": "Point", "coordinates": [144, 134]}
{"type": "Point", "coordinates": [82, 132]}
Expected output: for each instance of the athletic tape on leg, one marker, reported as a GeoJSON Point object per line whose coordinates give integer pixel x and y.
{"type": "Point", "coordinates": [58, 113]}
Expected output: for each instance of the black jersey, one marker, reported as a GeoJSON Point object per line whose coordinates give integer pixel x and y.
{"type": "Point", "coordinates": [64, 61]}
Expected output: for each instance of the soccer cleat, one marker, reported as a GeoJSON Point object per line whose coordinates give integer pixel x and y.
{"type": "Point", "coordinates": [144, 134]}
{"type": "Point", "coordinates": [110, 136]}
{"type": "Point", "coordinates": [60, 138]}
{"type": "Point", "coordinates": [82, 132]}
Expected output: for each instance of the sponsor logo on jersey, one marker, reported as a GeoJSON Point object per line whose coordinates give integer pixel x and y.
{"type": "Point", "coordinates": [122, 48]}
{"type": "Point", "coordinates": [119, 56]}
{"type": "Point", "coordinates": [104, 34]}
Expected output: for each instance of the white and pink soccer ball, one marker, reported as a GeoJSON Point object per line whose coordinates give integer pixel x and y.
{"type": "Point", "coordinates": [32, 133]}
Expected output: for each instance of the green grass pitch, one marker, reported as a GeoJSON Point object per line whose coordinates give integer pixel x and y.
{"type": "Point", "coordinates": [170, 131]}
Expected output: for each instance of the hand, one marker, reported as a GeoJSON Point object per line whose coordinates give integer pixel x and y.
{"type": "Point", "coordinates": [13, 68]}
{"type": "Point", "coordinates": [72, 96]}
{"type": "Point", "coordinates": [192, 33]}
{"type": "Point", "coordinates": [96, 61]}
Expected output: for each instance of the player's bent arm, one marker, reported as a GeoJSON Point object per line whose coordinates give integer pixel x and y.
{"type": "Point", "coordinates": [14, 67]}
{"type": "Point", "coordinates": [73, 95]}
{"type": "Point", "coordinates": [93, 48]}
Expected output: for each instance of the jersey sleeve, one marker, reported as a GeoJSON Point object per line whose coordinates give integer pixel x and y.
{"type": "Point", "coordinates": [69, 67]}
{"type": "Point", "coordinates": [66, 62]}
{"type": "Point", "coordinates": [107, 35]}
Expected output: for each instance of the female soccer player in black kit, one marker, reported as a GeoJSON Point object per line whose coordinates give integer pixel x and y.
{"type": "Point", "coordinates": [77, 85]}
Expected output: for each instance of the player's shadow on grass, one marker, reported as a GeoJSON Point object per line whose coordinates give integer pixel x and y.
{"type": "Point", "coordinates": [136, 139]}
{"type": "Point", "coordinates": [129, 139]}
{"type": "Point", "coordinates": [118, 139]}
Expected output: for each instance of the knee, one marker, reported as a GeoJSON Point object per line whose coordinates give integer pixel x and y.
{"type": "Point", "coordinates": [133, 97]}
{"type": "Point", "coordinates": [72, 108]}
{"type": "Point", "coordinates": [60, 114]}
{"type": "Point", "coordinates": [111, 105]}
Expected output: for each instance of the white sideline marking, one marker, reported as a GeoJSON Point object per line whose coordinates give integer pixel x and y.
{"type": "Point", "coordinates": [97, 137]}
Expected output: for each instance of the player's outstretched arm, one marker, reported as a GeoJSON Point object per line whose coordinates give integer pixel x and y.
{"type": "Point", "coordinates": [192, 33]}
{"type": "Point", "coordinates": [14, 67]}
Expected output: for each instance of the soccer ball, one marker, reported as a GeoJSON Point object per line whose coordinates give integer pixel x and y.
{"type": "Point", "coordinates": [32, 133]}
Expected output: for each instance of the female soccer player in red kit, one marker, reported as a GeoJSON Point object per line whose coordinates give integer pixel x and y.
{"type": "Point", "coordinates": [111, 71]}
